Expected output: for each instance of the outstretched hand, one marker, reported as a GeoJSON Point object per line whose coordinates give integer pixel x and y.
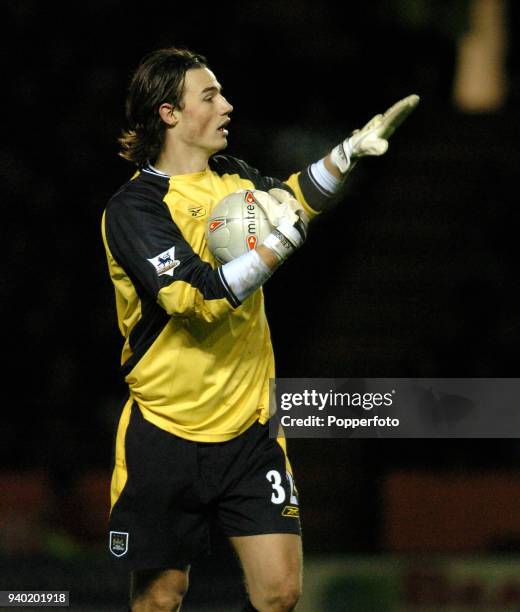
{"type": "Point", "coordinates": [372, 139]}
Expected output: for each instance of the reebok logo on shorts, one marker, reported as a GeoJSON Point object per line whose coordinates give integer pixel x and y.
{"type": "Point", "coordinates": [291, 511]}
{"type": "Point", "coordinates": [118, 543]}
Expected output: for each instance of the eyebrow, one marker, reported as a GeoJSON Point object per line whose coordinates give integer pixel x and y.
{"type": "Point", "coordinates": [211, 88]}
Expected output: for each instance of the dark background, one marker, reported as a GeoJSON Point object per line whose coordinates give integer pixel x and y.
{"type": "Point", "coordinates": [413, 275]}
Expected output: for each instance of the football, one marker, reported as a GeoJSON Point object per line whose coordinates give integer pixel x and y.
{"type": "Point", "coordinates": [237, 225]}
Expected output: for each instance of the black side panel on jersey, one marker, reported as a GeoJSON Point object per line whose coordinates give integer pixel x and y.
{"type": "Point", "coordinates": [225, 164]}
{"type": "Point", "coordinates": [139, 229]}
{"type": "Point", "coordinates": [143, 335]}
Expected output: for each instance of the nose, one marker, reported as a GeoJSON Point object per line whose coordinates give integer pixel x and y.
{"type": "Point", "coordinates": [228, 108]}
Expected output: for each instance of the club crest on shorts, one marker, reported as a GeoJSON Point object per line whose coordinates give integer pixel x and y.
{"type": "Point", "coordinates": [165, 262]}
{"type": "Point", "coordinates": [118, 543]}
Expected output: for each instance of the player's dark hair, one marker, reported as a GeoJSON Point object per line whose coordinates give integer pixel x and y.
{"type": "Point", "coordinates": [159, 78]}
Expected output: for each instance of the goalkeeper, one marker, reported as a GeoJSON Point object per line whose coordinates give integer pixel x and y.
{"type": "Point", "coordinates": [192, 443]}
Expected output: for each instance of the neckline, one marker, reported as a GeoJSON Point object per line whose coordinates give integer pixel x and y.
{"type": "Point", "coordinates": [189, 175]}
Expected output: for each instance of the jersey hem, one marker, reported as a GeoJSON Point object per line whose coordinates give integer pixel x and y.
{"type": "Point", "coordinates": [196, 437]}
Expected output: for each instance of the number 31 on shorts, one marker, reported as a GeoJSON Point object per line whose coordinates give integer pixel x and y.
{"type": "Point", "coordinates": [278, 495]}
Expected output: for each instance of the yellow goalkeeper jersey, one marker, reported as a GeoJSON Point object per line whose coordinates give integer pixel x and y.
{"type": "Point", "coordinates": [196, 360]}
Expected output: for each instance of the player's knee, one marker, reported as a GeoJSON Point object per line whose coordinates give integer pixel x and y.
{"type": "Point", "coordinates": [158, 600]}
{"type": "Point", "coordinates": [280, 596]}
{"type": "Point", "coordinates": [168, 600]}
{"type": "Point", "coordinates": [287, 599]}
{"type": "Point", "coordinates": [162, 595]}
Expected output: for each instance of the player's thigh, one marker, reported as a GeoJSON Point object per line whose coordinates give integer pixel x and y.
{"type": "Point", "coordinates": [159, 519]}
{"type": "Point", "coordinates": [270, 562]}
{"type": "Point", "coordinates": [160, 586]}
{"type": "Point", "coordinates": [259, 496]}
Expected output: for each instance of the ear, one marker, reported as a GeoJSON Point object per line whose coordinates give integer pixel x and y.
{"type": "Point", "coordinates": [168, 114]}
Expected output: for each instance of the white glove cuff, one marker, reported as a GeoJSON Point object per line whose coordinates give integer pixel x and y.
{"type": "Point", "coordinates": [324, 178]}
{"type": "Point", "coordinates": [245, 274]}
{"type": "Point", "coordinates": [280, 244]}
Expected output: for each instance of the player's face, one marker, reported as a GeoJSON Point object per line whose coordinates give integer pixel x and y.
{"type": "Point", "coordinates": [205, 112]}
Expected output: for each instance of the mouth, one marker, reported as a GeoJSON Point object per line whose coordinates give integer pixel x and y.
{"type": "Point", "coordinates": [222, 129]}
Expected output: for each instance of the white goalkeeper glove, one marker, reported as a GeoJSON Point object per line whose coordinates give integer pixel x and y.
{"type": "Point", "coordinates": [288, 219]}
{"type": "Point", "coordinates": [372, 139]}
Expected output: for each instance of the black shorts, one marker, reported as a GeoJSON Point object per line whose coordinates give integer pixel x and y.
{"type": "Point", "coordinates": [176, 488]}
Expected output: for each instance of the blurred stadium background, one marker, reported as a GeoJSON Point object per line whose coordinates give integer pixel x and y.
{"type": "Point", "coordinates": [415, 275]}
